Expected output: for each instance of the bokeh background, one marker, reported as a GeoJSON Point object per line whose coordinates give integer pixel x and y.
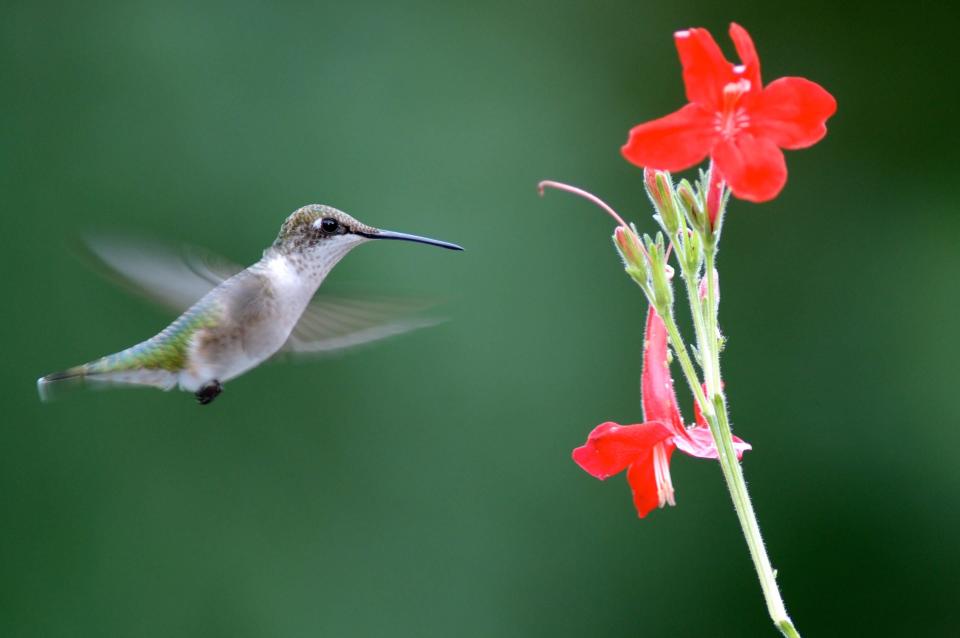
{"type": "Point", "coordinates": [423, 486]}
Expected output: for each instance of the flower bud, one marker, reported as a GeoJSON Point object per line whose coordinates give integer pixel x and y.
{"type": "Point", "coordinates": [714, 196]}
{"type": "Point", "coordinates": [631, 252]}
{"type": "Point", "coordinates": [660, 273]}
{"type": "Point", "coordinates": [692, 251]}
{"type": "Point", "coordinates": [691, 206]}
{"type": "Point", "coordinates": [660, 190]}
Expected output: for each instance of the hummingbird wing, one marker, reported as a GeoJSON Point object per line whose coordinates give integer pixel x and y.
{"type": "Point", "coordinates": [335, 322]}
{"type": "Point", "coordinates": [177, 276]}
{"type": "Point", "coordinates": [173, 276]}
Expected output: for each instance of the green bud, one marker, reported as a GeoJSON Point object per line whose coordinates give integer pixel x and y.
{"type": "Point", "coordinates": [627, 243]}
{"type": "Point", "coordinates": [692, 206]}
{"type": "Point", "coordinates": [660, 190]}
{"type": "Point", "coordinates": [660, 272]}
{"type": "Point", "coordinates": [693, 251]}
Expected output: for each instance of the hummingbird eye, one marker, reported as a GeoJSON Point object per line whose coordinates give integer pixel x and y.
{"type": "Point", "coordinates": [329, 225]}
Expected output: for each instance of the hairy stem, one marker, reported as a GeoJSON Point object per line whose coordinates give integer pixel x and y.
{"type": "Point", "coordinates": [718, 419]}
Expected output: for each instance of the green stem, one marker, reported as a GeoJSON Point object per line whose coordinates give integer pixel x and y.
{"type": "Point", "coordinates": [712, 373]}
{"type": "Point", "coordinates": [715, 412]}
{"type": "Point", "coordinates": [696, 311]}
{"type": "Point", "coordinates": [680, 348]}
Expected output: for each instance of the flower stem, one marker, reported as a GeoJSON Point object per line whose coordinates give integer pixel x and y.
{"type": "Point", "coordinates": [712, 373]}
{"type": "Point", "coordinates": [715, 412]}
{"type": "Point", "coordinates": [680, 348]}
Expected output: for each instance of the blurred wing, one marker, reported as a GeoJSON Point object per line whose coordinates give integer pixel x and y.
{"type": "Point", "coordinates": [331, 323]}
{"type": "Point", "coordinates": [174, 276]}
{"type": "Point", "coordinates": [177, 276]}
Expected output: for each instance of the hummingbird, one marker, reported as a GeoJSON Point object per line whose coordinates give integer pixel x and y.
{"type": "Point", "coordinates": [246, 315]}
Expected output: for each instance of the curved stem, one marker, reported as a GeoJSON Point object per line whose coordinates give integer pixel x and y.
{"type": "Point", "coordinates": [560, 186]}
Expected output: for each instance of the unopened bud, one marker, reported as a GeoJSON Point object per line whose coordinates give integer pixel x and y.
{"type": "Point", "coordinates": [692, 251]}
{"type": "Point", "coordinates": [660, 272]}
{"type": "Point", "coordinates": [660, 190]}
{"type": "Point", "coordinates": [714, 196]}
{"type": "Point", "coordinates": [691, 205]}
{"type": "Point", "coordinates": [634, 260]}
{"type": "Point", "coordinates": [628, 245]}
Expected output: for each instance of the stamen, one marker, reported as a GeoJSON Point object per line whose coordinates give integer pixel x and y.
{"type": "Point", "coordinates": [738, 88]}
{"type": "Point", "coordinates": [661, 471]}
{"type": "Point", "coordinates": [732, 119]}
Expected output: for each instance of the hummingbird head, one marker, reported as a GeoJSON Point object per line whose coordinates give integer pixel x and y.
{"type": "Point", "coordinates": [317, 229]}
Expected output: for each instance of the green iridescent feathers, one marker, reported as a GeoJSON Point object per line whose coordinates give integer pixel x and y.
{"type": "Point", "coordinates": [168, 350]}
{"type": "Point", "coordinates": [153, 362]}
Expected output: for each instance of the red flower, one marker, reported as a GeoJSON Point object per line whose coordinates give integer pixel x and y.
{"type": "Point", "coordinates": [644, 449]}
{"type": "Point", "coordinates": [733, 118]}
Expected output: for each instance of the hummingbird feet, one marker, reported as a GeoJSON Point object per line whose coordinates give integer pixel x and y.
{"type": "Point", "coordinates": [208, 392]}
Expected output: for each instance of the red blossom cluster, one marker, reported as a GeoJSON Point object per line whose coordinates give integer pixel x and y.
{"type": "Point", "coordinates": [741, 126]}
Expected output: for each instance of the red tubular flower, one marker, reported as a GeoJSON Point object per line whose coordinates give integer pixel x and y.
{"type": "Point", "coordinates": [732, 118]}
{"type": "Point", "coordinates": [644, 449]}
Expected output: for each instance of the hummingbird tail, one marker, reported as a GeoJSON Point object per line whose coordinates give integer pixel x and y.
{"type": "Point", "coordinates": [53, 385]}
{"type": "Point", "coordinates": [102, 374]}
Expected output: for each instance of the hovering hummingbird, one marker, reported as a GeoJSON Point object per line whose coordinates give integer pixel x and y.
{"type": "Point", "coordinates": [246, 315]}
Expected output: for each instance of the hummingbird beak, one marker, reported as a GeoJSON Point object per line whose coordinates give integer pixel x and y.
{"type": "Point", "coordinates": [389, 234]}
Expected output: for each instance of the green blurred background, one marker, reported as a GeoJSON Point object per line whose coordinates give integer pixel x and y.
{"type": "Point", "coordinates": [423, 486]}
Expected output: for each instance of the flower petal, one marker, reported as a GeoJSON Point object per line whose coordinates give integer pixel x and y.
{"type": "Point", "coordinates": [792, 112]}
{"type": "Point", "coordinates": [656, 384]}
{"type": "Point", "coordinates": [749, 59]}
{"type": "Point", "coordinates": [673, 142]}
{"type": "Point", "coordinates": [698, 413]}
{"type": "Point", "coordinates": [752, 166]}
{"type": "Point", "coordinates": [700, 443]}
{"type": "Point", "coordinates": [611, 447]}
{"type": "Point", "coordinates": [705, 70]}
{"type": "Point", "coordinates": [642, 478]}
